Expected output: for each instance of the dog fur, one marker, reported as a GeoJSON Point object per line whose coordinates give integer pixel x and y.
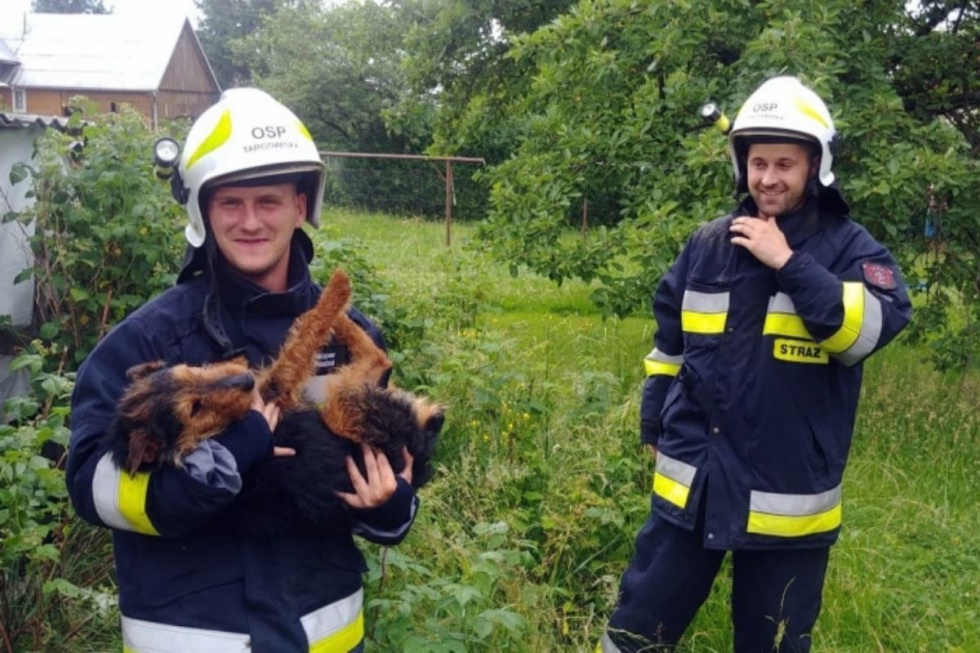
{"type": "Point", "coordinates": [166, 412]}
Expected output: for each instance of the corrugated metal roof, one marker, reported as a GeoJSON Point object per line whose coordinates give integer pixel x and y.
{"type": "Point", "coordinates": [6, 55]}
{"type": "Point", "coordinates": [23, 120]}
{"type": "Point", "coordinates": [92, 51]}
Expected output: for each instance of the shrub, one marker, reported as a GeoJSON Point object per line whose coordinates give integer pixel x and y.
{"type": "Point", "coordinates": [107, 233]}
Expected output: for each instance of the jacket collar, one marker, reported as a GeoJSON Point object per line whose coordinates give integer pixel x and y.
{"type": "Point", "coordinates": [239, 295]}
{"type": "Point", "coordinates": [797, 225]}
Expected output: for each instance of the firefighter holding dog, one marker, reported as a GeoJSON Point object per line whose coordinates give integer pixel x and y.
{"type": "Point", "coordinates": [763, 323]}
{"type": "Point", "coordinates": [250, 175]}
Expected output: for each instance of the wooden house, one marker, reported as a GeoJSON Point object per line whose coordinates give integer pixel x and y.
{"type": "Point", "coordinates": [157, 66]}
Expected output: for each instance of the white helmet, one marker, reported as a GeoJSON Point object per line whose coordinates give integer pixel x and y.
{"type": "Point", "coordinates": [783, 107]}
{"type": "Point", "coordinates": [247, 135]}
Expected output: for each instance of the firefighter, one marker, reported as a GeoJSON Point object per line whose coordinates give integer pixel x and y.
{"type": "Point", "coordinates": [763, 324]}
{"type": "Point", "coordinates": [250, 175]}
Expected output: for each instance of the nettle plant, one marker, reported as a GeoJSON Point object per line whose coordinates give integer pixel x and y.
{"type": "Point", "coordinates": [107, 233]}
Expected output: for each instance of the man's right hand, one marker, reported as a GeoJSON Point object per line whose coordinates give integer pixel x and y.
{"type": "Point", "coordinates": [653, 450]}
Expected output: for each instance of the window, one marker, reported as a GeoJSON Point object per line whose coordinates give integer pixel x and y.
{"type": "Point", "coordinates": [20, 100]}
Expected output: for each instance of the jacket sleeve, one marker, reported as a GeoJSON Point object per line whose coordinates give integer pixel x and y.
{"type": "Point", "coordinates": [169, 501]}
{"type": "Point", "coordinates": [390, 522]}
{"type": "Point", "coordinates": [854, 310]}
{"type": "Point", "coordinates": [664, 362]}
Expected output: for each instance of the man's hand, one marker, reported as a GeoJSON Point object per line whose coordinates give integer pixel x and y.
{"type": "Point", "coordinates": [380, 483]}
{"type": "Point", "coordinates": [763, 238]}
{"type": "Point", "coordinates": [271, 412]}
{"type": "Point", "coordinates": [653, 450]}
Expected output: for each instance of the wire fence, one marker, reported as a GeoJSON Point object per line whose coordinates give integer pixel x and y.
{"type": "Point", "coordinates": [398, 185]}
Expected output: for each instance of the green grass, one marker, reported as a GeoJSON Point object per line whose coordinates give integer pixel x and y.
{"type": "Point", "coordinates": [542, 485]}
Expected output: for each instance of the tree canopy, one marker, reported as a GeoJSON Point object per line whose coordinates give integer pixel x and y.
{"type": "Point", "coordinates": [589, 110]}
{"type": "Point", "coordinates": [611, 119]}
{"type": "Point", "coordinates": [69, 7]}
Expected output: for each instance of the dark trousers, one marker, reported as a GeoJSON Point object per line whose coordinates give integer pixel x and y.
{"type": "Point", "coordinates": [775, 594]}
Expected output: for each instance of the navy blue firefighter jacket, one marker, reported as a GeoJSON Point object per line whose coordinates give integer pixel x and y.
{"type": "Point", "coordinates": [182, 574]}
{"type": "Point", "coordinates": [753, 383]}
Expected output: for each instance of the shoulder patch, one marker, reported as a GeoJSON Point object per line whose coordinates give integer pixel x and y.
{"type": "Point", "coordinates": [879, 275]}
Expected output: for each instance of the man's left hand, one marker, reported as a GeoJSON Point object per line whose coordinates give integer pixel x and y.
{"type": "Point", "coordinates": [378, 484]}
{"type": "Point", "coordinates": [763, 238]}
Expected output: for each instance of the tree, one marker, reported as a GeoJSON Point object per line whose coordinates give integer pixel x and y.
{"type": "Point", "coordinates": [223, 22]}
{"type": "Point", "coordinates": [612, 113]}
{"type": "Point", "coordinates": [68, 7]}
{"type": "Point", "coordinates": [459, 52]}
{"type": "Point", "coordinates": [339, 69]}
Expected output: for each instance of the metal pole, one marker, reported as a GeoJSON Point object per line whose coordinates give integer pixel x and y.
{"type": "Point", "coordinates": [585, 215]}
{"type": "Point", "coordinates": [449, 199]}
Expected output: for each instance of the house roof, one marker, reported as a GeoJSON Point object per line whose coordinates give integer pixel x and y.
{"type": "Point", "coordinates": [23, 120]}
{"type": "Point", "coordinates": [6, 56]}
{"type": "Point", "coordinates": [93, 51]}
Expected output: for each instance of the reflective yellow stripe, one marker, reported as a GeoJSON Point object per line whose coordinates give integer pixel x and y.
{"type": "Point", "coordinates": [335, 628]}
{"type": "Point", "coordinates": [794, 526]}
{"type": "Point", "coordinates": [706, 323]}
{"type": "Point", "coordinates": [853, 319]}
{"type": "Point", "coordinates": [132, 501]}
{"type": "Point", "coordinates": [657, 367]}
{"type": "Point", "coordinates": [781, 324]}
{"type": "Point", "coordinates": [343, 640]}
{"type": "Point", "coordinates": [670, 490]}
{"type": "Point", "coordinates": [809, 111]}
{"type": "Point", "coordinates": [304, 131]}
{"type": "Point", "coordinates": [657, 362]}
{"type": "Point", "coordinates": [218, 136]}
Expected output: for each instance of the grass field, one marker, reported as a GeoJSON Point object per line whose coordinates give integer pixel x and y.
{"type": "Point", "coordinates": [542, 485]}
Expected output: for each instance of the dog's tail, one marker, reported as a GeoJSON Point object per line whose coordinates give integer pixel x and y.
{"type": "Point", "coordinates": [283, 380]}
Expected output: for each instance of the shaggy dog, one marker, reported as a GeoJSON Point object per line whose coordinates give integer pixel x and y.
{"type": "Point", "coordinates": [167, 411]}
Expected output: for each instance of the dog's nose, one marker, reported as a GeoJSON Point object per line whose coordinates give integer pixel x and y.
{"type": "Point", "coordinates": [238, 382]}
{"type": "Point", "coordinates": [434, 423]}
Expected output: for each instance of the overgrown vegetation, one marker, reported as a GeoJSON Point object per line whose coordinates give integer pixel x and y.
{"type": "Point", "coordinates": [55, 584]}
{"type": "Point", "coordinates": [107, 234]}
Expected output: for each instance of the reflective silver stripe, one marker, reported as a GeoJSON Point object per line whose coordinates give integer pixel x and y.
{"type": "Point", "coordinates": [870, 332]}
{"type": "Point", "coordinates": [147, 637]}
{"type": "Point", "coordinates": [120, 499]}
{"type": "Point", "coordinates": [657, 362]}
{"type": "Point", "coordinates": [676, 470]}
{"type": "Point", "coordinates": [659, 356]}
{"type": "Point", "coordinates": [105, 491]}
{"type": "Point", "coordinates": [606, 645]}
{"type": "Point", "coordinates": [360, 528]}
{"type": "Point", "coordinates": [336, 626]}
{"type": "Point", "coordinates": [704, 313]}
{"type": "Point", "coordinates": [705, 302]}
{"type": "Point", "coordinates": [794, 505]}
{"type": "Point", "coordinates": [782, 320]}
{"type": "Point", "coordinates": [331, 619]}
{"type": "Point", "coordinates": [781, 303]}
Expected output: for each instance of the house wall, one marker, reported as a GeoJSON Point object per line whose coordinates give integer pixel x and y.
{"type": "Point", "coordinates": [6, 99]}
{"type": "Point", "coordinates": [16, 300]}
{"type": "Point", "coordinates": [52, 102]}
{"type": "Point", "coordinates": [187, 88]}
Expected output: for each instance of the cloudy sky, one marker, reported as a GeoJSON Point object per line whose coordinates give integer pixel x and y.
{"type": "Point", "coordinates": [10, 8]}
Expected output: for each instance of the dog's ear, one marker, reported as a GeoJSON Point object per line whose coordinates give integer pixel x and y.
{"type": "Point", "coordinates": [144, 370]}
{"type": "Point", "coordinates": [143, 448]}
